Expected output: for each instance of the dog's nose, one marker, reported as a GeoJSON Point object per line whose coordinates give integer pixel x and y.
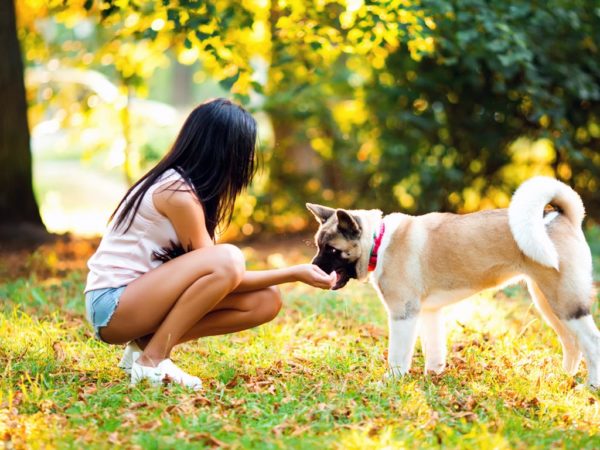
{"type": "Point", "coordinates": [317, 261]}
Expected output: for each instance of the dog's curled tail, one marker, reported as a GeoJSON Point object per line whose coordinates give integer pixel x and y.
{"type": "Point", "coordinates": [526, 216]}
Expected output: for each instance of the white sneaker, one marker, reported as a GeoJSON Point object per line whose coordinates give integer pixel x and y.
{"type": "Point", "coordinates": [127, 358]}
{"type": "Point", "coordinates": [164, 371]}
{"type": "Point", "coordinates": [179, 376]}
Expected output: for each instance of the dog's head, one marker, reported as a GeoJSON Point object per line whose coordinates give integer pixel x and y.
{"type": "Point", "coordinates": [339, 242]}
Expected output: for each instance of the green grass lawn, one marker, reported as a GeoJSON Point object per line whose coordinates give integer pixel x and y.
{"type": "Point", "coordinates": [310, 379]}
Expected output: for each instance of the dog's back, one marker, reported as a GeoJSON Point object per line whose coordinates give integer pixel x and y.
{"type": "Point", "coordinates": [475, 251]}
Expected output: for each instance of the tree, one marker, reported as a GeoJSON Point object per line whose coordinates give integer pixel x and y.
{"type": "Point", "coordinates": [18, 206]}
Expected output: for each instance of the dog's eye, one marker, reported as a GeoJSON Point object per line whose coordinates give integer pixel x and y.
{"type": "Point", "coordinates": [330, 249]}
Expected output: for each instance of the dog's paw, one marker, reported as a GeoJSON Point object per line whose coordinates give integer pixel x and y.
{"type": "Point", "coordinates": [436, 369]}
{"type": "Point", "coordinates": [391, 376]}
{"type": "Point", "coordinates": [595, 387]}
{"type": "Point", "coordinates": [587, 387]}
{"type": "Point", "coordinates": [395, 373]}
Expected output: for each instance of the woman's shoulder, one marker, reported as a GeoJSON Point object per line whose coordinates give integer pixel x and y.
{"type": "Point", "coordinates": [169, 180]}
{"type": "Point", "coordinates": [170, 174]}
{"type": "Point", "coordinates": [174, 194]}
{"type": "Point", "coordinates": [177, 194]}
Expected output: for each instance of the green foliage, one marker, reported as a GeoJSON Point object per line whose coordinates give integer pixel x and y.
{"type": "Point", "coordinates": [499, 72]}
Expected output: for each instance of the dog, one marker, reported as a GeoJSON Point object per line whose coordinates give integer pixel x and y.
{"type": "Point", "coordinates": [420, 264]}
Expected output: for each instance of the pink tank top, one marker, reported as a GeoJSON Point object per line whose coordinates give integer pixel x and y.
{"type": "Point", "coordinates": [121, 258]}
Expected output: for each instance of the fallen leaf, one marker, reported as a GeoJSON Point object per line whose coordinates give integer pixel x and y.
{"type": "Point", "coordinates": [113, 438]}
{"type": "Point", "coordinates": [59, 352]}
{"type": "Point", "coordinates": [152, 425]}
{"type": "Point", "coordinates": [209, 440]}
{"type": "Point", "coordinates": [138, 405]}
{"type": "Point", "coordinates": [201, 401]}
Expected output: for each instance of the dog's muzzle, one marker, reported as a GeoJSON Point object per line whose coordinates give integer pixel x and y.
{"type": "Point", "coordinates": [344, 269]}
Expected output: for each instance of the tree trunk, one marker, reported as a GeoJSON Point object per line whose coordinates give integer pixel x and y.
{"type": "Point", "coordinates": [183, 77]}
{"type": "Point", "coordinates": [18, 207]}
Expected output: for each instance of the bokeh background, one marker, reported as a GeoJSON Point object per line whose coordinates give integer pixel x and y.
{"type": "Point", "coordinates": [405, 105]}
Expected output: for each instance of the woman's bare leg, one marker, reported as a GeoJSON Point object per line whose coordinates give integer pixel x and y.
{"type": "Point", "coordinates": [236, 312]}
{"type": "Point", "coordinates": [171, 299]}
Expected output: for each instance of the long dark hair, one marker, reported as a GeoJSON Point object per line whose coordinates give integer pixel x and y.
{"type": "Point", "coordinates": [214, 153]}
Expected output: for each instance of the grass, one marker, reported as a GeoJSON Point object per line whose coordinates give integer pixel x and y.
{"type": "Point", "coordinates": [310, 379]}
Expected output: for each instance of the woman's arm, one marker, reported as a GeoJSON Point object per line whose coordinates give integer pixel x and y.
{"type": "Point", "coordinates": [306, 273]}
{"type": "Point", "coordinates": [186, 214]}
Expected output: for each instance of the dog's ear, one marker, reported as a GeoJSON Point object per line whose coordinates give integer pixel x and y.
{"type": "Point", "coordinates": [321, 213]}
{"type": "Point", "coordinates": [347, 224]}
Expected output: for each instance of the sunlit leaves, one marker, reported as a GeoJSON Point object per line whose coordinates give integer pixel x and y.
{"type": "Point", "coordinates": [312, 33]}
{"type": "Point", "coordinates": [228, 82]}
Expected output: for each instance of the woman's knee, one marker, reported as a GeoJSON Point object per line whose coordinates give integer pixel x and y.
{"type": "Point", "coordinates": [229, 263]}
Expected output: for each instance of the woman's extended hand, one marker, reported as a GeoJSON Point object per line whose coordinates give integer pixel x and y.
{"type": "Point", "coordinates": [314, 276]}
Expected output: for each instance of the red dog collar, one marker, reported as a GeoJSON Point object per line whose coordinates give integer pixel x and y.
{"type": "Point", "coordinates": [376, 244]}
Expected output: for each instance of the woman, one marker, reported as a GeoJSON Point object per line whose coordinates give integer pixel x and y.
{"type": "Point", "coordinates": [137, 290]}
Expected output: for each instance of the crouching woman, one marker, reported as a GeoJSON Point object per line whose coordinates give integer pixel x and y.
{"type": "Point", "coordinates": [157, 278]}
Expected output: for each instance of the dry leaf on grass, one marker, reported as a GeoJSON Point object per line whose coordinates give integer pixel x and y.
{"type": "Point", "coordinates": [152, 425]}
{"type": "Point", "coordinates": [208, 440]}
{"type": "Point", "coordinates": [59, 352]}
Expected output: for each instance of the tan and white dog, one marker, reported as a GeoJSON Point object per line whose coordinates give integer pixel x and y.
{"type": "Point", "coordinates": [422, 263]}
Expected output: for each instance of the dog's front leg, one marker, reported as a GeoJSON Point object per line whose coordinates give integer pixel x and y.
{"type": "Point", "coordinates": [433, 340]}
{"type": "Point", "coordinates": [403, 334]}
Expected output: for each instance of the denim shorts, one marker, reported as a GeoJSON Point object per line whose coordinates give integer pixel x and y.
{"type": "Point", "coordinates": [100, 305]}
